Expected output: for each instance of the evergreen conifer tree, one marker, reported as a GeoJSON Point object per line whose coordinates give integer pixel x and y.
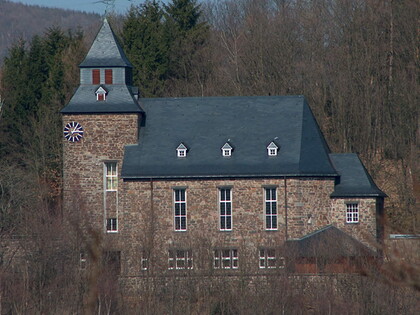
{"type": "Point", "coordinates": [146, 45]}
{"type": "Point", "coordinates": [188, 38]}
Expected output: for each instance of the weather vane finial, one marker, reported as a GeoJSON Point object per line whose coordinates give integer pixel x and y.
{"type": "Point", "coordinates": [109, 5]}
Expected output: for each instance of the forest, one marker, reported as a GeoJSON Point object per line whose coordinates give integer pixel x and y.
{"type": "Point", "coordinates": [356, 62]}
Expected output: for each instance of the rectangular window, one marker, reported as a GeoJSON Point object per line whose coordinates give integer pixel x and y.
{"type": "Point", "coordinates": [111, 176]}
{"type": "Point", "coordinates": [352, 213]}
{"type": "Point", "coordinates": [144, 260]}
{"type": "Point", "coordinates": [108, 76]}
{"type": "Point", "coordinates": [268, 259]}
{"type": "Point", "coordinates": [271, 208]}
{"type": "Point", "coordinates": [112, 225]}
{"type": "Point", "coordinates": [226, 259]}
{"type": "Point", "coordinates": [82, 260]}
{"type": "Point", "coordinates": [96, 76]}
{"type": "Point", "coordinates": [225, 207]}
{"type": "Point", "coordinates": [100, 97]}
{"type": "Point", "coordinates": [180, 259]}
{"type": "Point", "coordinates": [180, 211]}
{"type": "Point", "coordinates": [227, 152]}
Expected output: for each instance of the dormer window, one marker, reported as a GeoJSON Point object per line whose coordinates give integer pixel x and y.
{"type": "Point", "coordinates": [272, 149]}
{"type": "Point", "coordinates": [181, 150]}
{"type": "Point", "coordinates": [101, 94]}
{"type": "Point", "coordinates": [227, 149]}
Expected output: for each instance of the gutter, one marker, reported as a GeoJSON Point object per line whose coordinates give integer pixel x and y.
{"type": "Point", "coordinates": [243, 176]}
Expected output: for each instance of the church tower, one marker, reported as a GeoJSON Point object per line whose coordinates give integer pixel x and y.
{"type": "Point", "coordinates": [101, 118]}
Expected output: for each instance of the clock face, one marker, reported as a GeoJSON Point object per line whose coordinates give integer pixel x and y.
{"type": "Point", "coordinates": [73, 131]}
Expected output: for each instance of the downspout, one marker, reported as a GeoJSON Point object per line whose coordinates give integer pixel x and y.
{"type": "Point", "coordinates": [285, 207]}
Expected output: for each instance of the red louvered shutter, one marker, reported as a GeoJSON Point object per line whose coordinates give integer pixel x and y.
{"type": "Point", "coordinates": [108, 76]}
{"type": "Point", "coordinates": [95, 76]}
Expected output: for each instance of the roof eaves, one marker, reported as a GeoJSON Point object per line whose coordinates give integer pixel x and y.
{"type": "Point", "coordinates": [143, 177]}
{"type": "Point", "coordinates": [356, 195]}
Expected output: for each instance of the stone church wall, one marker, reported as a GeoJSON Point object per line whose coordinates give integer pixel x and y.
{"type": "Point", "coordinates": [83, 163]}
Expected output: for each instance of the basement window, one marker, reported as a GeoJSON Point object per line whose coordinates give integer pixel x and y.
{"type": "Point", "coordinates": [180, 259]}
{"type": "Point", "coordinates": [226, 259]}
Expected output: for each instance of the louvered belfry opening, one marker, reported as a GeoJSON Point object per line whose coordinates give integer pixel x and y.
{"type": "Point", "coordinates": [108, 76]}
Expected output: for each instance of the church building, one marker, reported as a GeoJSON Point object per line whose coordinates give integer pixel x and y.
{"type": "Point", "coordinates": [210, 185]}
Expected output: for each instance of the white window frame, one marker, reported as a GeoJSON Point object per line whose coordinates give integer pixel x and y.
{"type": "Point", "coordinates": [227, 150]}
{"type": "Point", "coordinates": [101, 91]}
{"type": "Point", "coordinates": [180, 209]}
{"type": "Point", "coordinates": [181, 150]}
{"type": "Point", "coordinates": [225, 259]}
{"type": "Point", "coordinates": [268, 259]}
{"type": "Point", "coordinates": [180, 259]}
{"type": "Point", "coordinates": [225, 206]}
{"type": "Point", "coordinates": [111, 176]}
{"type": "Point", "coordinates": [352, 212]}
{"type": "Point", "coordinates": [100, 100]}
{"type": "Point", "coordinates": [112, 225]}
{"type": "Point", "coordinates": [82, 260]}
{"type": "Point", "coordinates": [270, 209]}
{"type": "Point", "coordinates": [272, 149]}
{"type": "Point", "coordinates": [144, 261]}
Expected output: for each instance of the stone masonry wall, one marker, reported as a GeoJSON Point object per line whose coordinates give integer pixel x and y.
{"type": "Point", "coordinates": [309, 205]}
{"type": "Point", "coordinates": [83, 170]}
{"type": "Point", "coordinates": [365, 229]}
{"type": "Point", "coordinates": [146, 224]}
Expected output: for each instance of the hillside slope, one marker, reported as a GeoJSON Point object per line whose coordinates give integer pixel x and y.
{"type": "Point", "coordinates": [24, 21]}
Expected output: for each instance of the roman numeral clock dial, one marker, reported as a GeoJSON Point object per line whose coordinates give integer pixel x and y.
{"type": "Point", "coordinates": [73, 131]}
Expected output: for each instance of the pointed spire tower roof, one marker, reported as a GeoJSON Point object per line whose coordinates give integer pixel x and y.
{"type": "Point", "coordinates": [105, 50]}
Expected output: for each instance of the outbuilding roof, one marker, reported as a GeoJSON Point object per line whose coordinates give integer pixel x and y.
{"type": "Point", "coordinates": [105, 50]}
{"type": "Point", "coordinates": [354, 179]}
{"type": "Point", "coordinates": [328, 242]}
{"type": "Point", "coordinates": [248, 122]}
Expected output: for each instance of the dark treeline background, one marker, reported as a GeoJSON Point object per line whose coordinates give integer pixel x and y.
{"type": "Point", "coordinates": [356, 61]}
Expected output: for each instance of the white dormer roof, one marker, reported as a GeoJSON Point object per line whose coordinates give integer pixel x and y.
{"type": "Point", "coordinates": [101, 90]}
{"type": "Point", "coordinates": [181, 150]}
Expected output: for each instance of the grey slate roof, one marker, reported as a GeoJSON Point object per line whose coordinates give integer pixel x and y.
{"type": "Point", "coordinates": [118, 100]}
{"type": "Point", "coordinates": [105, 50]}
{"type": "Point", "coordinates": [206, 124]}
{"type": "Point", "coordinates": [354, 180]}
{"type": "Point", "coordinates": [328, 242]}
